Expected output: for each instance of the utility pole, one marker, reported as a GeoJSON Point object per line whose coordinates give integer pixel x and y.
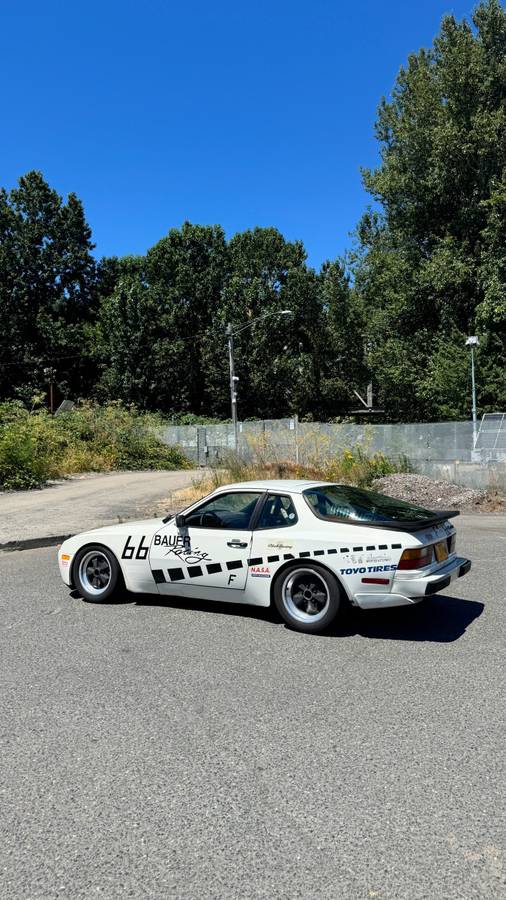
{"type": "Point", "coordinates": [230, 332]}
{"type": "Point", "coordinates": [50, 375]}
{"type": "Point", "coordinates": [233, 382]}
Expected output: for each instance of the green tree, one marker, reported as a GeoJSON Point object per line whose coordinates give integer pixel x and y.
{"type": "Point", "coordinates": [111, 269]}
{"type": "Point", "coordinates": [47, 282]}
{"type": "Point", "coordinates": [160, 337]}
{"type": "Point", "coordinates": [187, 270]}
{"type": "Point", "coordinates": [123, 341]}
{"type": "Point", "coordinates": [275, 358]}
{"type": "Point", "coordinates": [341, 344]}
{"type": "Point", "coordinates": [431, 266]}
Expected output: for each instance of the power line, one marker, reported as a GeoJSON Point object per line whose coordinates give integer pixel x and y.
{"type": "Point", "coordinates": [43, 362]}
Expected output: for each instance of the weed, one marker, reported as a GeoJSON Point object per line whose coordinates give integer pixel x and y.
{"type": "Point", "coordinates": [354, 466]}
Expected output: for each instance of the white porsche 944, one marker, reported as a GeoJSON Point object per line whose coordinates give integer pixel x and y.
{"type": "Point", "coordinates": [305, 546]}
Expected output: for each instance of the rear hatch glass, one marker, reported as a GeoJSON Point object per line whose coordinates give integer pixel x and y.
{"type": "Point", "coordinates": [340, 502]}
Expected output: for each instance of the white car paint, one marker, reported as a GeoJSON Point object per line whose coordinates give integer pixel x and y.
{"type": "Point", "coordinates": [160, 557]}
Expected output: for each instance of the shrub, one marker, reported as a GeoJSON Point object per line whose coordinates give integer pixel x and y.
{"type": "Point", "coordinates": [359, 468]}
{"type": "Point", "coordinates": [35, 446]}
{"type": "Point", "coordinates": [20, 464]}
{"type": "Point", "coordinates": [117, 437]}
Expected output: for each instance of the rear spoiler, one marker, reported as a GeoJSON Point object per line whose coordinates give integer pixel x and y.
{"type": "Point", "coordinates": [418, 525]}
{"type": "Point", "coordinates": [434, 518]}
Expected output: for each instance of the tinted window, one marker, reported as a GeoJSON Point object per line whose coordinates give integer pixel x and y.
{"type": "Point", "coordinates": [232, 510]}
{"type": "Point", "coordinates": [278, 512]}
{"type": "Point", "coordinates": [342, 502]}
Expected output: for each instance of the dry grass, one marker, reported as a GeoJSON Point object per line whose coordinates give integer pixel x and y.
{"type": "Point", "coordinates": [349, 467]}
{"type": "Point", "coordinates": [210, 479]}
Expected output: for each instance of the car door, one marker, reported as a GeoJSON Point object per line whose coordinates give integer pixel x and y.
{"type": "Point", "coordinates": [207, 556]}
{"type": "Point", "coordinates": [274, 541]}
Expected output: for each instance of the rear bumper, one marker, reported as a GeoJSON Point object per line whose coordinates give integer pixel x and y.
{"type": "Point", "coordinates": [438, 583]}
{"type": "Point", "coordinates": [408, 590]}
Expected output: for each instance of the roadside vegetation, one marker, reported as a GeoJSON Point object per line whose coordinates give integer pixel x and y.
{"type": "Point", "coordinates": [35, 446]}
{"type": "Point", "coordinates": [355, 466]}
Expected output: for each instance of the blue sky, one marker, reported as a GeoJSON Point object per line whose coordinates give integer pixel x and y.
{"type": "Point", "coordinates": [235, 113]}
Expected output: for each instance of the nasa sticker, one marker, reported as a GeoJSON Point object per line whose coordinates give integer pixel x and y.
{"type": "Point", "coordinates": [260, 571]}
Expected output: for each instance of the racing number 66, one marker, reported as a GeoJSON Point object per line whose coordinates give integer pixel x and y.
{"type": "Point", "coordinates": [129, 549]}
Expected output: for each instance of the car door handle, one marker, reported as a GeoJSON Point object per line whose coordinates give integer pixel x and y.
{"type": "Point", "coordinates": [237, 544]}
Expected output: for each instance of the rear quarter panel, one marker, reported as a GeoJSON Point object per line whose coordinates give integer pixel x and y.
{"type": "Point", "coordinates": [351, 552]}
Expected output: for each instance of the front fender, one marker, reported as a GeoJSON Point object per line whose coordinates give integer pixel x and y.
{"type": "Point", "coordinates": [130, 545]}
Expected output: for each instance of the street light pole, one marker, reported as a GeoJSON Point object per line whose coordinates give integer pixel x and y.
{"type": "Point", "coordinates": [473, 383]}
{"type": "Point", "coordinates": [473, 342]}
{"type": "Point", "coordinates": [230, 332]}
{"type": "Point", "coordinates": [233, 381]}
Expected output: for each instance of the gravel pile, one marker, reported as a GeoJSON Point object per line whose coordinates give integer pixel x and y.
{"type": "Point", "coordinates": [431, 494]}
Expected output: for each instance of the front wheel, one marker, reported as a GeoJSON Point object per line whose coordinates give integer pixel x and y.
{"type": "Point", "coordinates": [307, 597]}
{"type": "Point", "coordinates": [96, 573]}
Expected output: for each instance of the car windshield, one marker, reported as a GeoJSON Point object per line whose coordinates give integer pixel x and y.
{"type": "Point", "coordinates": [335, 501]}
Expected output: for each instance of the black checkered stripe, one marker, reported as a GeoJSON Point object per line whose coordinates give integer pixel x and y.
{"type": "Point", "coordinates": [211, 568]}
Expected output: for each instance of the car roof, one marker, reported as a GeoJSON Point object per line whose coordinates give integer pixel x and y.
{"type": "Point", "coordinates": [291, 485]}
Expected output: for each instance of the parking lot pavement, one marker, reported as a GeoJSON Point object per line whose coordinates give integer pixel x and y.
{"type": "Point", "coordinates": [175, 749]}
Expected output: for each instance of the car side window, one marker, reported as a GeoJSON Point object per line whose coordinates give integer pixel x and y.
{"type": "Point", "coordinates": [278, 512]}
{"type": "Point", "coordinates": [230, 510]}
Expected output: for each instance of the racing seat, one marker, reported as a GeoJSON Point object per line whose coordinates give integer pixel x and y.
{"type": "Point", "coordinates": [275, 512]}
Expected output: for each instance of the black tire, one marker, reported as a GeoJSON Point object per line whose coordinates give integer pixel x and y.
{"type": "Point", "coordinates": [307, 597]}
{"type": "Point", "coordinates": [96, 574]}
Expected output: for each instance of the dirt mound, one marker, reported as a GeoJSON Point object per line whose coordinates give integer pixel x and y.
{"type": "Point", "coordinates": [433, 494]}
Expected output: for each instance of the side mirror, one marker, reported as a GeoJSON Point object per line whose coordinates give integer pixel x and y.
{"type": "Point", "coordinates": [180, 520]}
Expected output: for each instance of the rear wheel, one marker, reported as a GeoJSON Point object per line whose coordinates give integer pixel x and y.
{"type": "Point", "coordinates": [96, 573]}
{"type": "Point", "coordinates": [307, 597]}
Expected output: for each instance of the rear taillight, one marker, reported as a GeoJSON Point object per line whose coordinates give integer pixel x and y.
{"type": "Point", "coordinates": [415, 559]}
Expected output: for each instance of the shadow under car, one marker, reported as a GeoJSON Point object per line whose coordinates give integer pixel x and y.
{"type": "Point", "coordinates": [438, 618]}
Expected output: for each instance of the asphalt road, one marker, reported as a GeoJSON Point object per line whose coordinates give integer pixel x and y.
{"type": "Point", "coordinates": [86, 501]}
{"type": "Point", "coordinates": [171, 749]}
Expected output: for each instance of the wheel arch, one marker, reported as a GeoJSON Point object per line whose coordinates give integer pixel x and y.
{"type": "Point", "coordinates": [292, 563]}
{"type": "Point", "coordinates": [98, 545]}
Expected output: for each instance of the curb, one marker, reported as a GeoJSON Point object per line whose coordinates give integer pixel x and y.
{"type": "Point", "coordinates": [34, 543]}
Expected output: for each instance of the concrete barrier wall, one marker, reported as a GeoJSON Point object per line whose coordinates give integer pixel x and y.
{"type": "Point", "coordinates": [473, 475]}
{"type": "Point", "coordinates": [439, 449]}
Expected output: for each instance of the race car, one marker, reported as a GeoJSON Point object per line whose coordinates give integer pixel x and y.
{"type": "Point", "coordinates": [305, 546]}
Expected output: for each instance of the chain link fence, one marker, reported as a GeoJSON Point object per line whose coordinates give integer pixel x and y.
{"type": "Point", "coordinates": [440, 449]}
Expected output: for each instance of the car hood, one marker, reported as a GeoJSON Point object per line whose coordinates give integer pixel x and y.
{"type": "Point", "coordinates": [146, 526]}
